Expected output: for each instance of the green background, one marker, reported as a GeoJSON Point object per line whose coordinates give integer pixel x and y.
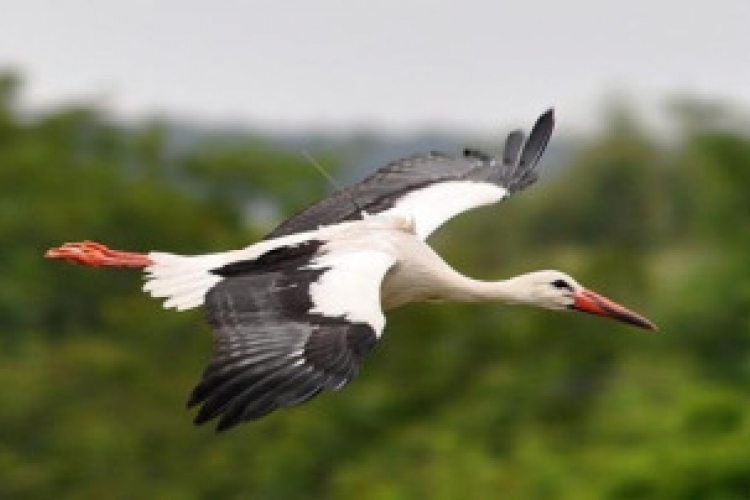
{"type": "Point", "coordinates": [458, 401]}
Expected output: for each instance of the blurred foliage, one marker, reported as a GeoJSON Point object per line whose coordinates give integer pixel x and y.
{"type": "Point", "coordinates": [459, 401]}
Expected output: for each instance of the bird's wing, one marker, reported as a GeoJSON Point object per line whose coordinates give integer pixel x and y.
{"type": "Point", "coordinates": [288, 324]}
{"type": "Point", "coordinates": [433, 188]}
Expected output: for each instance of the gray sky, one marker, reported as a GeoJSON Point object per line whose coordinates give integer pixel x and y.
{"type": "Point", "coordinates": [401, 64]}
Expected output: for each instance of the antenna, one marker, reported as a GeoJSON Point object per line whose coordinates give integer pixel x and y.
{"type": "Point", "coordinates": [332, 181]}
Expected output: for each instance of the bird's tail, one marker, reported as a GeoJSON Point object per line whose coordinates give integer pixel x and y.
{"type": "Point", "coordinates": [182, 281]}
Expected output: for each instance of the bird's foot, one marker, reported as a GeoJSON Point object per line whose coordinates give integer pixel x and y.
{"type": "Point", "coordinates": [90, 253]}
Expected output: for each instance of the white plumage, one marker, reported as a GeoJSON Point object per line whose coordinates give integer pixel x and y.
{"type": "Point", "coordinates": [432, 206]}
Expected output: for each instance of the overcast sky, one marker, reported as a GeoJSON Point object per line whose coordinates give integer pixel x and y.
{"type": "Point", "coordinates": [394, 63]}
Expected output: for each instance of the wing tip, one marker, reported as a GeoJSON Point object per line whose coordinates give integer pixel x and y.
{"type": "Point", "coordinates": [225, 424]}
{"type": "Point", "coordinates": [546, 122]}
{"type": "Point", "coordinates": [539, 136]}
{"type": "Point", "coordinates": [520, 157]}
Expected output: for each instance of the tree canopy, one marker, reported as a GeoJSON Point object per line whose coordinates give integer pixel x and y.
{"type": "Point", "coordinates": [458, 401]}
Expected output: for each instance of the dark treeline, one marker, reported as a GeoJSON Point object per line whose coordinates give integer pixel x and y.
{"type": "Point", "coordinates": [459, 401]}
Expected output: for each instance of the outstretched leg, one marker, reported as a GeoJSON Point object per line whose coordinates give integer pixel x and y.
{"type": "Point", "coordinates": [90, 253]}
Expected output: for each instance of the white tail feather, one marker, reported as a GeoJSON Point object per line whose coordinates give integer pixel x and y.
{"type": "Point", "coordinates": [183, 281]}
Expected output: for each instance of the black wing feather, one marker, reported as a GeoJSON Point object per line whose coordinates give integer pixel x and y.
{"type": "Point", "coordinates": [382, 190]}
{"type": "Point", "coordinates": [513, 145]}
{"type": "Point", "coordinates": [270, 351]}
{"type": "Point", "coordinates": [538, 139]}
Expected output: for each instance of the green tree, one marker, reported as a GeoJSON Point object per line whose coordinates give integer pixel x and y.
{"type": "Point", "coordinates": [458, 400]}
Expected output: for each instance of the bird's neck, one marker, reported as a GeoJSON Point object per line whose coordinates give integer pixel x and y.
{"type": "Point", "coordinates": [425, 277]}
{"type": "Point", "coordinates": [461, 288]}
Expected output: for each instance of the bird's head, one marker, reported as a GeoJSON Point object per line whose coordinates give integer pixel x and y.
{"type": "Point", "coordinates": [557, 290]}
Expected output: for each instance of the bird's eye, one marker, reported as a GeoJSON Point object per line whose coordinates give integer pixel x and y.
{"type": "Point", "coordinates": [562, 284]}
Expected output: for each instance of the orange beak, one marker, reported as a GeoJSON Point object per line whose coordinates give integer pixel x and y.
{"type": "Point", "coordinates": [593, 303]}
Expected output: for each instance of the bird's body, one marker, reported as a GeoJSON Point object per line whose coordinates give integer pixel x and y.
{"type": "Point", "coordinates": [297, 312]}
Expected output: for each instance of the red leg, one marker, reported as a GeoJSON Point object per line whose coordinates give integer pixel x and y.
{"type": "Point", "coordinates": [90, 253]}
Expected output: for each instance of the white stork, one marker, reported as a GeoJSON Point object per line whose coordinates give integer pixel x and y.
{"type": "Point", "coordinates": [297, 312]}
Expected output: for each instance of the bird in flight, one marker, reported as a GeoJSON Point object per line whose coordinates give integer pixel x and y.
{"type": "Point", "coordinates": [297, 312]}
